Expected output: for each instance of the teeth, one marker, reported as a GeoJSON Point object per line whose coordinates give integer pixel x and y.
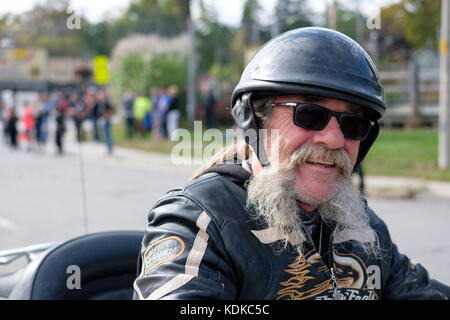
{"type": "Point", "coordinates": [324, 162]}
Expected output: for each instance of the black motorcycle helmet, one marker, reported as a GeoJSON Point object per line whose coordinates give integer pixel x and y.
{"type": "Point", "coordinates": [310, 61]}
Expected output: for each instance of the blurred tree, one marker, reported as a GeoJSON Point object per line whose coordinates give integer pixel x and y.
{"type": "Point", "coordinates": [11, 31]}
{"type": "Point", "coordinates": [163, 17]}
{"type": "Point", "coordinates": [408, 26]}
{"type": "Point", "coordinates": [249, 22]}
{"type": "Point", "coordinates": [133, 72]}
{"type": "Point", "coordinates": [214, 39]}
{"type": "Point", "coordinates": [290, 14]}
{"type": "Point", "coordinates": [346, 22]}
{"type": "Point", "coordinates": [151, 16]}
{"type": "Point", "coordinates": [392, 42]}
{"type": "Point", "coordinates": [130, 72]}
{"type": "Point", "coordinates": [166, 70]}
{"type": "Point", "coordinates": [44, 26]}
{"type": "Point", "coordinates": [97, 38]}
{"type": "Point", "coordinates": [422, 19]}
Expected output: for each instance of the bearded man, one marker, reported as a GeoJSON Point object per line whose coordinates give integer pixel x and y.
{"type": "Point", "coordinates": [275, 215]}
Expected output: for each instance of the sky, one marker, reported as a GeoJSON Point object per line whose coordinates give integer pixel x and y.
{"type": "Point", "coordinates": [229, 11]}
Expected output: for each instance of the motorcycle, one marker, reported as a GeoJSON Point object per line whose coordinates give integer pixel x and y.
{"type": "Point", "coordinates": [97, 266]}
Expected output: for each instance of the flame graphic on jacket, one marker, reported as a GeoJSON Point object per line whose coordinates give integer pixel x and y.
{"type": "Point", "coordinates": [311, 277]}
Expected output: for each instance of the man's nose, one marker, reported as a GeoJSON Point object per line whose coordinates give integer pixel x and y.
{"type": "Point", "coordinates": [331, 136]}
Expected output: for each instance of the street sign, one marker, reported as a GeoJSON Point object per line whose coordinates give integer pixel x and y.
{"type": "Point", "coordinates": [101, 70]}
{"type": "Point", "coordinates": [23, 64]}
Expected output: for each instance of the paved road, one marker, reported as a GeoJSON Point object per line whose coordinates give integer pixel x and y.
{"type": "Point", "coordinates": [42, 195]}
{"type": "Point", "coordinates": [420, 229]}
{"type": "Point", "coordinates": [41, 200]}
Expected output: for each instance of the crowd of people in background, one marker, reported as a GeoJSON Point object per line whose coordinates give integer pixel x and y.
{"type": "Point", "coordinates": [158, 113]}
{"type": "Point", "coordinates": [31, 124]}
{"type": "Point", "coordinates": [155, 114]}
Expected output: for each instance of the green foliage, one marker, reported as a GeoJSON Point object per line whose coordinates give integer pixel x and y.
{"type": "Point", "coordinates": [97, 38]}
{"type": "Point", "coordinates": [422, 21]}
{"type": "Point", "coordinates": [130, 72]}
{"type": "Point", "coordinates": [214, 41]}
{"type": "Point", "coordinates": [291, 14]}
{"type": "Point", "coordinates": [163, 17]}
{"type": "Point", "coordinates": [408, 25]}
{"type": "Point", "coordinates": [408, 153]}
{"type": "Point", "coordinates": [250, 19]}
{"type": "Point", "coordinates": [166, 70]}
{"type": "Point", "coordinates": [133, 72]}
{"type": "Point", "coordinates": [43, 26]}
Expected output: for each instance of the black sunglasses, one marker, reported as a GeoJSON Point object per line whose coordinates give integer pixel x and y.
{"type": "Point", "coordinates": [313, 117]}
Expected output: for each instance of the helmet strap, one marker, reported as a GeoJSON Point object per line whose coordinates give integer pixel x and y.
{"type": "Point", "coordinates": [246, 119]}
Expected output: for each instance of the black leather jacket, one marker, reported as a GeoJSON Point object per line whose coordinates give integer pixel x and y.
{"type": "Point", "coordinates": [202, 243]}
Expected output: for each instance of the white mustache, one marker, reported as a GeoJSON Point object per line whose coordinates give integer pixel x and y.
{"type": "Point", "coordinates": [317, 153]}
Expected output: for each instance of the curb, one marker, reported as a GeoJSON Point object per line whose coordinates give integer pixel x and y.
{"type": "Point", "coordinates": [405, 188]}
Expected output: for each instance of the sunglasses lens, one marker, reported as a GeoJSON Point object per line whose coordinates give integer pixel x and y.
{"type": "Point", "coordinates": [314, 117]}
{"type": "Point", "coordinates": [354, 127]}
{"type": "Point", "coordinates": [311, 117]}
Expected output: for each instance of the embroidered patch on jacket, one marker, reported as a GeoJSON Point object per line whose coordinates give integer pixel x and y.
{"type": "Point", "coordinates": [310, 278]}
{"type": "Point", "coordinates": [162, 251]}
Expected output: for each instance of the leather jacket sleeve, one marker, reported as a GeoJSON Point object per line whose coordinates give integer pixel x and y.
{"type": "Point", "coordinates": [408, 281]}
{"type": "Point", "coordinates": [182, 255]}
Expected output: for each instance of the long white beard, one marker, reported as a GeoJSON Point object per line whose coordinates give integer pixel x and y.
{"type": "Point", "coordinates": [273, 196]}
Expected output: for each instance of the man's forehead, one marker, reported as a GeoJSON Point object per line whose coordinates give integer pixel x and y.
{"type": "Point", "coordinates": [354, 108]}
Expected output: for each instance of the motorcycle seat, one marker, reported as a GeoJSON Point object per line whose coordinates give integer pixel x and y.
{"type": "Point", "coordinates": [98, 266]}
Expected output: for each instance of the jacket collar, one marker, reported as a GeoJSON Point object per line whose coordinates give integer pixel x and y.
{"type": "Point", "coordinates": [233, 171]}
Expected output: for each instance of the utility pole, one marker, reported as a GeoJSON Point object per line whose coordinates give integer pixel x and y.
{"type": "Point", "coordinates": [192, 66]}
{"type": "Point", "coordinates": [332, 15]}
{"type": "Point", "coordinates": [359, 23]}
{"type": "Point", "coordinates": [444, 88]}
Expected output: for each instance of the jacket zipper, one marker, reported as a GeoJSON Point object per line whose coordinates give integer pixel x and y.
{"type": "Point", "coordinates": [336, 291]}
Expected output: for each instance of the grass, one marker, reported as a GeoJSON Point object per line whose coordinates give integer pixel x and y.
{"type": "Point", "coordinates": [405, 153]}
{"type": "Point", "coordinates": [166, 146]}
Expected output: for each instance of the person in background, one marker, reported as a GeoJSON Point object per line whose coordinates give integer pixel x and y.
{"type": "Point", "coordinates": [46, 108]}
{"type": "Point", "coordinates": [105, 112]}
{"type": "Point", "coordinates": [173, 112]}
{"type": "Point", "coordinates": [127, 103]}
{"type": "Point", "coordinates": [11, 127]}
{"type": "Point", "coordinates": [159, 114]}
{"type": "Point", "coordinates": [77, 111]}
{"type": "Point", "coordinates": [60, 129]}
{"type": "Point", "coordinates": [209, 108]}
{"type": "Point", "coordinates": [89, 102]}
{"type": "Point", "coordinates": [95, 114]}
{"type": "Point", "coordinates": [39, 127]}
{"type": "Point", "coordinates": [29, 122]}
{"type": "Point", "coordinates": [142, 106]}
